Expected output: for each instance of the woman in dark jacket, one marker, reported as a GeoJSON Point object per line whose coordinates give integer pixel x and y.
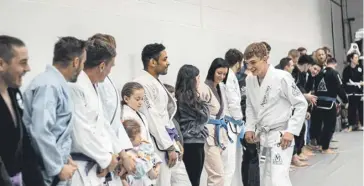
{"type": "Point", "coordinates": [192, 115]}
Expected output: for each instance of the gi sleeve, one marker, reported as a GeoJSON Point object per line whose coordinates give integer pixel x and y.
{"type": "Point", "coordinates": [233, 98]}
{"type": "Point", "coordinates": [156, 123]}
{"type": "Point", "coordinates": [340, 88]}
{"type": "Point", "coordinates": [251, 118]}
{"type": "Point", "coordinates": [85, 137]}
{"type": "Point", "coordinates": [298, 102]}
{"type": "Point", "coordinates": [43, 118]}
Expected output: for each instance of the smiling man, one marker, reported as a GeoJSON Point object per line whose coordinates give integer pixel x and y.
{"type": "Point", "coordinates": [271, 95]}
{"type": "Point", "coordinates": [160, 108]}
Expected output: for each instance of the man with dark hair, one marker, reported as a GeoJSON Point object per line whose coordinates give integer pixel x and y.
{"type": "Point", "coordinates": [111, 105]}
{"type": "Point", "coordinates": [328, 86]}
{"type": "Point", "coordinates": [271, 96]}
{"type": "Point", "coordinates": [234, 115]}
{"type": "Point", "coordinates": [159, 107]}
{"type": "Point", "coordinates": [286, 64]}
{"type": "Point", "coordinates": [18, 162]}
{"type": "Point", "coordinates": [94, 141]}
{"type": "Point", "coordinates": [267, 46]}
{"type": "Point", "coordinates": [48, 110]}
{"type": "Point", "coordinates": [353, 84]}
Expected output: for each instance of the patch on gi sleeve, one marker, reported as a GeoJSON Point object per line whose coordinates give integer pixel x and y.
{"type": "Point", "coordinates": [295, 91]}
{"type": "Point", "coordinates": [277, 159]}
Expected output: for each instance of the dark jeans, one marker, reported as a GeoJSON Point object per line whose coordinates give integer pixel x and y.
{"type": "Point", "coordinates": [194, 157]}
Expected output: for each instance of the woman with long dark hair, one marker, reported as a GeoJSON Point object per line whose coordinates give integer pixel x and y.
{"type": "Point", "coordinates": [192, 116]}
{"type": "Point", "coordinates": [218, 139]}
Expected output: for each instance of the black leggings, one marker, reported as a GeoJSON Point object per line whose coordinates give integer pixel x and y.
{"type": "Point", "coordinates": [355, 109]}
{"type": "Point", "coordinates": [194, 157]}
{"type": "Point", "coordinates": [323, 134]}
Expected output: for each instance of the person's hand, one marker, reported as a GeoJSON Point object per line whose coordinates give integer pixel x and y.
{"type": "Point", "coordinates": [346, 105]}
{"type": "Point", "coordinates": [128, 162]}
{"type": "Point", "coordinates": [311, 98]}
{"type": "Point", "coordinates": [182, 150]}
{"type": "Point", "coordinates": [308, 115]}
{"type": "Point", "coordinates": [67, 172]}
{"type": "Point", "coordinates": [154, 173]}
{"type": "Point", "coordinates": [114, 162]}
{"type": "Point", "coordinates": [250, 136]}
{"type": "Point", "coordinates": [286, 140]}
{"type": "Point", "coordinates": [103, 173]}
{"type": "Point", "coordinates": [172, 158]}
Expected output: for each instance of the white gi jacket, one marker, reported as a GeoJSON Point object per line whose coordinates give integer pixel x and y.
{"type": "Point", "coordinates": [129, 113]}
{"type": "Point", "coordinates": [159, 109]}
{"type": "Point", "coordinates": [92, 133]}
{"type": "Point", "coordinates": [233, 97]}
{"type": "Point", "coordinates": [270, 105]}
{"type": "Point", "coordinates": [110, 98]}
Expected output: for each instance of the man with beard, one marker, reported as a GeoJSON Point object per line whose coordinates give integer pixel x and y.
{"type": "Point", "coordinates": [159, 107]}
{"type": "Point", "coordinates": [18, 163]}
{"type": "Point", "coordinates": [48, 110]}
{"type": "Point", "coordinates": [95, 145]}
{"type": "Point", "coordinates": [353, 84]}
{"type": "Point", "coordinates": [327, 87]}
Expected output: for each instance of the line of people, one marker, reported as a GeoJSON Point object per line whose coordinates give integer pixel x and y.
{"type": "Point", "coordinates": [71, 126]}
{"type": "Point", "coordinates": [323, 87]}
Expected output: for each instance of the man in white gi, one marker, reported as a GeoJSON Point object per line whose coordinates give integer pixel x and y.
{"type": "Point", "coordinates": [271, 96]}
{"type": "Point", "coordinates": [111, 103]}
{"type": "Point", "coordinates": [160, 108]}
{"type": "Point", "coordinates": [234, 115]}
{"type": "Point", "coordinates": [95, 147]}
{"type": "Point", "coordinates": [48, 110]}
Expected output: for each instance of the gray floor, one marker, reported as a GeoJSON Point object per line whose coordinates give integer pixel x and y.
{"type": "Point", "coordinates": [343, 169]}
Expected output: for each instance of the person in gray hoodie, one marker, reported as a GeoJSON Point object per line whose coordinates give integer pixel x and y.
{"type": "Point", "coordinates": [192, 116]}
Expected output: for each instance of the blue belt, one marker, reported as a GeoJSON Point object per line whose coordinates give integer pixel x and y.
{"type": "Point", "coordinates": [238, 123]}
{"type": "Point", "coordinates": [219, 123]}
{"type": "Point", "coordinates": [233, 121]}
{"type": "Point", "coordinates": [326, 98]}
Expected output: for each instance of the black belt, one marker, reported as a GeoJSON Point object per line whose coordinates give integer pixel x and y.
{"type": "Point", "coordinates": [90, 163]}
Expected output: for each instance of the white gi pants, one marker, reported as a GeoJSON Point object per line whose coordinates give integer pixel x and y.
{"type": "Point", "coordinates": [230, 165]}
{"type": "Point", "coordinates": [81, 179]}
{"type": "Point", "coordinates": [274, 171]}
{"type": "Point", "coordinates": [175, 176]}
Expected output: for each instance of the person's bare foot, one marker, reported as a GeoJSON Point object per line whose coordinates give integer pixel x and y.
{"type": "Point", "coordinates": [328, 151]}
{"type": "Point", "coordinates": [306, 151]}
{"type": "Point", "coordinates": [302, 157]}
{"type": "Point", "coordinates": [297, 163]}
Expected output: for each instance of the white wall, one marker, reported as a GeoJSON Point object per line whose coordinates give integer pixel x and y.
{"type": "Point", "coordinates": [194, 31]}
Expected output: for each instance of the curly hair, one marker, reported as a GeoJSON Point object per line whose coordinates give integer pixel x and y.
{"type": "Point", "coordinates": [255, 49]}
